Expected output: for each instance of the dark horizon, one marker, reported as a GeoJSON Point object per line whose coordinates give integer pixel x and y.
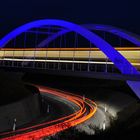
{"type": "Point", "coordinates": [124, 14]}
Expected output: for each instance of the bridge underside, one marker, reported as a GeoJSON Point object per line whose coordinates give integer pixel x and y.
{"type": "Point", "coordinates": [133, 81]}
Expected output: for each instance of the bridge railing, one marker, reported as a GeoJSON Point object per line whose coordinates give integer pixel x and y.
{"type": "Point", "coordinates": [59, 66]}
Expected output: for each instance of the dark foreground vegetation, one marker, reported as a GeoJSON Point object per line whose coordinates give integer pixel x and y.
{"type": "Point", "coordinates": [12, 88]}
{"type": "Point", "coordinates": [116, 132]}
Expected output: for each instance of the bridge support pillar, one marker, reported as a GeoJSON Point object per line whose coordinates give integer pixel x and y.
{"type": "Point", "coordinates": [135, 86]}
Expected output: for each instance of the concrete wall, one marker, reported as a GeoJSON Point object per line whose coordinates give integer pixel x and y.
{"type": "Point", "coordinates": [24, 111]}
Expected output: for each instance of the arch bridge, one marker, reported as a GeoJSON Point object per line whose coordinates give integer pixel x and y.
{"type": "Point", "coordinates": [64, 47]}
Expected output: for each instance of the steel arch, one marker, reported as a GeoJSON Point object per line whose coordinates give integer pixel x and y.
{"type": "Point", "coordinates": [133, 38]}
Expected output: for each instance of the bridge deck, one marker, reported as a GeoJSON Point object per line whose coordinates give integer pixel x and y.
{"type": "Point", "coordinates": [79, 55]}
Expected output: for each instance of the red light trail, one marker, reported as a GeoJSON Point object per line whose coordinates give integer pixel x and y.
{"type": "Point", "coordinates": [87, 109]}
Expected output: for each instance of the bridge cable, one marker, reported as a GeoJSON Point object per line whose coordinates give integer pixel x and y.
{"type": "Point", "coordinates": [14, 51]}
{"type": "Point", "coordinates": [25, 38]}
{"type": "Point", "coordinates": [75, 45]}
{"type": "Point", "coordinates": [47, 64]}
{"type": "Point", "coordinates": [35, 49]}
{"type": "Point", "coordinates": [89, 56]}
{"type": "Point", "coordinates": [60, 43]}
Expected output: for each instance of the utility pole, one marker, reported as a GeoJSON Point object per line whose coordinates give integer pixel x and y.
{"type": "Point", "coordinates": [48, 109]}
{"type": "Point", "coordinates": [105, 108]}
{"type": "Point", "coordinates": [104, 126]}
{"type": "Point", "coordinates": [14, 125]}
{"type": "Point", "coordinates": [83, 97]}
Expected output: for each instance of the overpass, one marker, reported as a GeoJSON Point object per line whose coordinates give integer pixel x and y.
{"type": "Point", "coordinates": [54, 46]}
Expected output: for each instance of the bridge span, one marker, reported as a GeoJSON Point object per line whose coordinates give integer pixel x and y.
{"type": "Point", "coordinates": [62, 49]}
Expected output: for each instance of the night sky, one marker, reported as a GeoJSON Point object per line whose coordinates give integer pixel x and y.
{"type": "Point", "coordinates": [121, 13]}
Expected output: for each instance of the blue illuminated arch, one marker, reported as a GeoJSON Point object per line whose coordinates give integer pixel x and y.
{"type": "Point", "coordinates": [120, 62]}
{"type": "Point", "coordinates": [133, 38]}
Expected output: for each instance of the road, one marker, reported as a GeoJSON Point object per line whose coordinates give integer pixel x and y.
{"type": "Point", "coordinates": [83, 109]}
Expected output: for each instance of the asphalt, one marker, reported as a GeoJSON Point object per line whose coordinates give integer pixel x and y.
{"type": "Point", "coordinates": [60, 106]}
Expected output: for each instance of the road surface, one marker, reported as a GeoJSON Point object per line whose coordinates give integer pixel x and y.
{"type": "Point", "coordinates": [83, 109]}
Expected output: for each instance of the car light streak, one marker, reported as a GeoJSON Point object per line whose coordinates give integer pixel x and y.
{"type": "Point", "coordinates": [86, 109]}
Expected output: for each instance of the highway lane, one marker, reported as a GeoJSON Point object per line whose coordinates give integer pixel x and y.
{"type": "Point", "coordinates": [83, 110]}
{"type": "Point", "coordinates": [58, 104]}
